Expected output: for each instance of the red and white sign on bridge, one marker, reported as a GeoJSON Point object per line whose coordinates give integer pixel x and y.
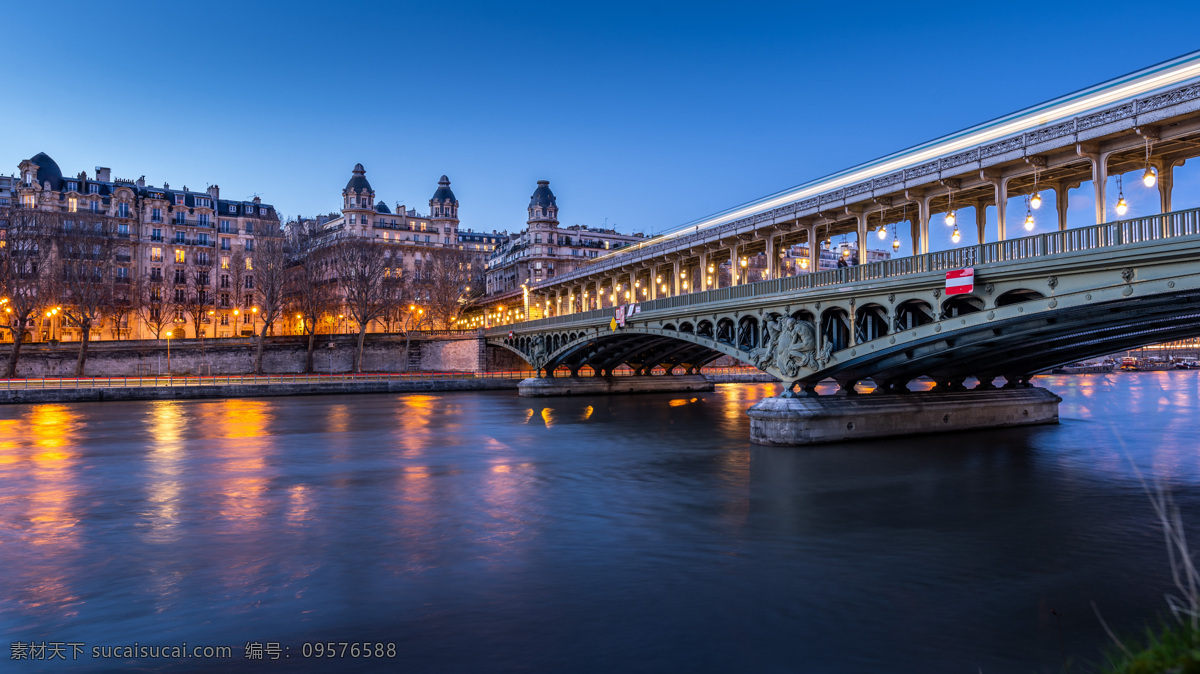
{"type": "Point", "coordinates": [960, 281]}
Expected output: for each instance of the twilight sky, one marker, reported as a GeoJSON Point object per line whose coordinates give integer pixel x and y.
{"type": "Point", "coordinates": [644, 114]}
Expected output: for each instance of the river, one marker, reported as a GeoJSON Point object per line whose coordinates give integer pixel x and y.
{"type": "Point", "coordinates": [485, 532]}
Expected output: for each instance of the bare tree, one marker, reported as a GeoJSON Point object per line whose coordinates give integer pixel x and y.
{"type": "Point", "coordinates": [448, 277]}
{"type": "Point", "coordinates": [361, 265]}
{"type": "Point", "coordinates": [86, 269]}
{"type": "Point", "coordinates": [311, 286]}
{"type": "Point", "coordinates": [126, 297]}
{"type": "Point", "coordinates": [197, 297]}
{"type": "Point", "coordinates": [156, 300]}
{"type": "Point", "coordinates": [25, 285]}
{"type": "Point", "coordinates": [268, 275]}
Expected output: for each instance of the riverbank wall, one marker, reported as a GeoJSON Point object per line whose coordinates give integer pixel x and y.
{"type": "Point", "coordinates": [180, 389]}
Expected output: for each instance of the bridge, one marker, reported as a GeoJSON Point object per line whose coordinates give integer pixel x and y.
{"type": "Point", "coordinates": [1145, 121]}
{"type": "Point", "coordinates": [1038, 301]}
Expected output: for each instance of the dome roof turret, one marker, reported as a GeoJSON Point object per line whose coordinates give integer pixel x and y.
{"type": "Point", "coordinates": [542, 196]}
{"type": "Point", "coordinates": [444, 193]}
{"type": "Point", "coordinates": [382, 208]}
{"type": "Point", "coordinates": [47, 171]}
{"type": "Point", "coordinates": [358, 182]}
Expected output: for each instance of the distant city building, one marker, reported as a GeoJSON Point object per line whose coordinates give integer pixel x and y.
{"type": "Point", "coordinates": [196, 235]}
{"type": "Point", "coordinates": [415, 234]}
{"type": "Point", "coordinates": [544, 249]}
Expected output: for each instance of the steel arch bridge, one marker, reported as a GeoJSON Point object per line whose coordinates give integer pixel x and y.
{"type": "Point", "coordinates": [1038, 302]}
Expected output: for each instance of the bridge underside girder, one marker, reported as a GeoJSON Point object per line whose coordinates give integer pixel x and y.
{"type": "Point", "coordinates": [1020, 348]}
{"type": "Point", "coordinates": [641, 352]}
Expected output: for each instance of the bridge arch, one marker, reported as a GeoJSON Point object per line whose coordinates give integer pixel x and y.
{"type": "Point", "coordinates": [669, 326]}
{"type": "Point", "coordinates": [835, 327]}
{"type": "Point", "coordinates": [686, 327]}
{"type": "Point", "coordinates": [705, 329]}
{"type": "Point", "coordinates": [1018, 295]}
{"type": "Point", "coordinates": [913, 313]}
{"type": "Point", "coordinates": [870, 322]}
{"type": "Point", "coordinates": [960, 305]}
{"type": "Point", "coordinates": [747, 333]}
{"type": "Point", "coordinates": [725, 331]}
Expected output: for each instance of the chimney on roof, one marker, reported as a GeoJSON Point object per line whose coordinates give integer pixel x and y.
{"type": "Point", "coordinates": [141, 182]}
{"type": "Point", "coordinates": [257, 200]}
{"type": "Point", "coordinates": [215, 192]}
{"type": "Point", "coordinates": [166, 185]}
{"type": "Point", "coordinates": [103, 174]}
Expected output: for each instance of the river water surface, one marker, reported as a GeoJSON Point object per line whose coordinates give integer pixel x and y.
{"type": "Point", "coordinates": [485, 532]}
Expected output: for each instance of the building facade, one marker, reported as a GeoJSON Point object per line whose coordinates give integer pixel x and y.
{"type": "Point", "coordinates": [184, 248]}
{"type": "Point", "coordinates": [545, 249]}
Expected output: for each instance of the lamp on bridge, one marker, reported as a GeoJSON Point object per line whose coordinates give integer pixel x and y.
{"type": "Point", "coordinates": [954, 236]}
{"type": "Point", "coordinates": [1149, 177]}
{"type": "Point", "coordinates": [1122, 205]}
{"type": "Point", "coordinates": [883, 232]}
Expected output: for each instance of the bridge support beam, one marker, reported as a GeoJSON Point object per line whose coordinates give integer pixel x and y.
{"type": "Point", "coordinates": [579, 386]}
{"type": "Point", "coordinates": [799, 421]}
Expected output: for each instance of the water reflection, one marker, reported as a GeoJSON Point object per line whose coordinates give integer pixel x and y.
{"type": "Point", "coordinates": [488, 533]}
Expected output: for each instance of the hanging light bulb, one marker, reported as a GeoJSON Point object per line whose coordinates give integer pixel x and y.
{"type": "Point", "coordinates": [1028, 221]}
{"type": "Point", "coordinates": [896, 244]}
{"type": "Point", "coordinates": [804, 263]}
{"type": "Point", "coordinates": [882, 233]}
{"type": "Point", "coordinates": [1036, 200]}
{"type": "Point", "coordinates": [951, 219]}
{"type": "Point", "coordinates": [826, 243]}
{"type": "Point", "coordinates": [954, 236]}
{"type": "Point", "coordinates": [845, 252]}
{"type": "Point", "coordinates": [1149, 177]}
{"type": "Point", "coordinates": [1122, 205]}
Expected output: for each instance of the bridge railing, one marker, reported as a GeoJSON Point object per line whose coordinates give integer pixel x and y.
{"type": "Point", "coordinates": [1134, 230]}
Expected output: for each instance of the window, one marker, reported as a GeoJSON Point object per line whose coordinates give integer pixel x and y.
{"type": "Point", "coordinates": [179, 299]}
{"type": "Point", "coordinates": [249, 227]}
{"type": "Point", "coordinates": [123, 272]}
{"type": "Point", "coordinates": [123, 210]}
{"type": "Point", "coordinates": [73, 205]}
{"type": "Point", "coordinates": [246, 318]}
{"type": "Point", "coordinates": [179, 256]}
{"type": "Point", "coordinates": [27, 201]}
{"type": "Point", "coordinates": [180, 277]}
{"type": "Point", "coordinates": [203, 239]}
{"type": "Point", "coordinates": [202, 278]}
{"type": "Point", "coordinates": [156, 294]}
{"type": "Point", "coordinates": [72, 186]}
{"type": "Point", "coordinates": [156, 235]}
{"type": "Point", "coordinates": [224, 228]}
{"type": "Point", "coordinates": [224, 280]}
{"type": "Point", "coordinates": [225, 300]}
{"type": "Point", "coordinates": [180, 199]}
{"type": "Point", "coordinates": [249, 283]}
{"type": "Point", "coordinates": [203, 202]}
{"type": "Point", "coordinates": [225, 318]}
{"type": "Point", "coordinates": [249, 264]}
{"type": "Point", "coordinates": [156, 215]}
{"type": "Point", "coordinates": [180, 237]}
{"type": "Point", "coordinates": [95, 206]}
{"type": "Point", "coordinates": [156, 273]}
{"type": "Point", "coordinates": [156, 255]}
{"type": "Point", "coordinates": [123, 229]}
{"type": "Point", "coordinates": [224, 262]}
{"type": "Point", "coordinates": [202, 258]}
{"type": "Point", "coordinates": [93, 189]}
{"type": "Point", "coordinates": [224, 244]}
{"type": "Point", "coordinates": [352, 219]}
{"type": "Point", "coordinates": [202, 219]}
{"type": "Point", "coordinates": [180, 218]}
{"type": "Point", "coordinates": [249, 244]}
{"type": "Point", "coordinates": [232, 208]}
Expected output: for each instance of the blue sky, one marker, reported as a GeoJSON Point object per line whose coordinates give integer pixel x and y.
{"type": "Point", "coordinates": [644, 115]}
